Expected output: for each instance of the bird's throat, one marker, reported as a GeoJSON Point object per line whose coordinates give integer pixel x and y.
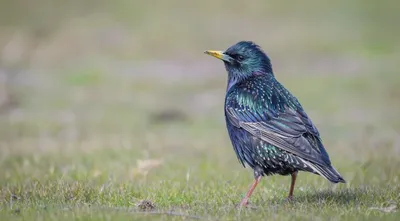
{"type": "Point", "coordinates": [231, 82]}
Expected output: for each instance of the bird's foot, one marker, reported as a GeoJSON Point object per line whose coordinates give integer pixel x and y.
{"type": "Point", "coordinates": [245, 204]}
{"type": "Point", "coordinates": [290, 199]}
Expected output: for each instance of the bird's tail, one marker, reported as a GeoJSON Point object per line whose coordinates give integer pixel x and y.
{"type": "Point", "coordinates": [329, 172]}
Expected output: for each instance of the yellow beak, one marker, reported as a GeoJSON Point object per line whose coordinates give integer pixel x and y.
{"type": "Point", "coordinates": [217, 54]}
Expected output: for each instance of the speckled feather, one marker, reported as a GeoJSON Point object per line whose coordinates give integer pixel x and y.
{"type": "Point", "coordinates": [267, 125]}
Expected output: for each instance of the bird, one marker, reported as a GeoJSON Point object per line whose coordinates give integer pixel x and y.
{"type": "Point", "coordinates": [268, 127]}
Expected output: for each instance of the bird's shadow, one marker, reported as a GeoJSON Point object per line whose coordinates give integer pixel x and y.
{"type": "Point", "coordinates": [314, 197]}
{"type": "Point", "coordinates": [343, 196]}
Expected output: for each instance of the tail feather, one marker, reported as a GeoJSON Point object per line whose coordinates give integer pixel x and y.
{"type": "Point", "coordinates": [329, 172]}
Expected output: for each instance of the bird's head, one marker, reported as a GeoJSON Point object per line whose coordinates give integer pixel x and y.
{"type": "Point", "coordinates": [243, 60]}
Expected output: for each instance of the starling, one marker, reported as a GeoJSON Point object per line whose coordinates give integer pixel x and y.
{"type": "Point", "coordinates": [269, 129]}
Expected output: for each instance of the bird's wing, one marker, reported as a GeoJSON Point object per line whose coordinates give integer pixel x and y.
{"type": "Point", "coordinates": [288, 128]}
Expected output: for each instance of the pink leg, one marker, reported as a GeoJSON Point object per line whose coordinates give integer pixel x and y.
{"type": "Point", "coordinates": [245, 200]}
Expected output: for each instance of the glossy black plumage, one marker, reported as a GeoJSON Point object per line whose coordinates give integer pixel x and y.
{"type": "Point", "coordinates": [267, 125]}
{"type": "Point", "coordinates": [269, 129]}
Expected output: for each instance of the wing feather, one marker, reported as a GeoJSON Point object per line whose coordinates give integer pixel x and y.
{"type": "Point", "coordinates": [288, 128]}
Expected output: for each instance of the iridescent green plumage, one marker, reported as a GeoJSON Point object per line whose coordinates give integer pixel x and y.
{"type": "Point", "coordinates": [262, 109]}
{"type": "Point", "coordinates": [267, 125]}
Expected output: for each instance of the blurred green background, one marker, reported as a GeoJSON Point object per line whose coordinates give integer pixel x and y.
{"type": "Point", "coordinates": [104, 104]}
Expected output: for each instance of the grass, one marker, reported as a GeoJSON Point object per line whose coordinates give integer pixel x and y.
{"type": "Point", "coordinates": [82, 161]}
{"type": "Point", "coordinates": [112, 108]}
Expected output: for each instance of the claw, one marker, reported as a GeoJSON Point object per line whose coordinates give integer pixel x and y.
{"type": "Point", "coordinates": [290, 199]}
{"type": "Point", "coordinates": [245, 205]}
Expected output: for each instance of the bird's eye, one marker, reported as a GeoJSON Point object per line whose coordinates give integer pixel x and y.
{"type": "Point", "coordinates": [237, 57]}
{"type": "Point", "coordinates": [240, 57]}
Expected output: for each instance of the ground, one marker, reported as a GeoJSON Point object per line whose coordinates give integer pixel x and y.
{"type": "Point", "coordinates": [104, 130]}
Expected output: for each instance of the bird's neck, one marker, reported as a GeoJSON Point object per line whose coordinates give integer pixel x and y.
{"type": "Point", "coordinates": [231, 82]}
{"type": "Point", "coordinates": [236, 79]}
